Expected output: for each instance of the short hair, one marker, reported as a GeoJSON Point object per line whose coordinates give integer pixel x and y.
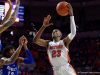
{"type": "Point", "coordinates": [6, 50]}
{"type": "Point", "coordinates": [58, 30]}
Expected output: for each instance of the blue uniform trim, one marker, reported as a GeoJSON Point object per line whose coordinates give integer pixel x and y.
{"type": "Point", "coordinates": [29, 58]}
{"type": "Point", "coordinates": [11, 69]}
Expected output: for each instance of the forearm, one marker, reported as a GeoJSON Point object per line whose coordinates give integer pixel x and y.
{"type": "Point", "coordinates": [8, 15]}
{"type": "Point", "coordinates": [39, 33]}
{"type": "Point", "coordinates": [11, 21]}
{"type": "Point", "coordinates": [7, 24]}
{"type": "Point", "coordinates": [16, 54]}
{"type": "Point", "coordinates": [14, 14]}
{"type": "Point", "coordinates": [72, 27]}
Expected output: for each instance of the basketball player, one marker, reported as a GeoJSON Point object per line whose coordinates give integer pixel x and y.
{"type": "Point", "coordinates": [58, 49]}
{"type": "Point", "coordinates": [10, 60]}
{"type": "Point", "coordinates": [9, 19]}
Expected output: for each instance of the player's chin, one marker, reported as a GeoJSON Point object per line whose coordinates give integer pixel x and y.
{"type": "Point", "coordinates": [56, 37]}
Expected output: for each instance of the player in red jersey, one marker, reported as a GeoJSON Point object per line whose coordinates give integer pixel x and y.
{"type": "Point", "coordinates": [57, 48]}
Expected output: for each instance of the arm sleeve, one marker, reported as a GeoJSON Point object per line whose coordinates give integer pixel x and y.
{"type": "Point", "coordinates": [72, 28]}
{"type": "Point", "coordinates": [29, 59]}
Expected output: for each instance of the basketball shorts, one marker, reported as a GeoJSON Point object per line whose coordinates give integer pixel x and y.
{"type": "Point", "coordinates": [64, 70]}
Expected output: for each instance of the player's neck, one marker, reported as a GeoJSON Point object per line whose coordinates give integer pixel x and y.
{"type": "Point", "coordinates": [56, 40]}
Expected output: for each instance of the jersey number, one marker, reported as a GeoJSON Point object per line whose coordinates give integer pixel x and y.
{"type": "Point", "coordinates": [56, 53]}
{"type": "Point", "coordinates": [11, 73]}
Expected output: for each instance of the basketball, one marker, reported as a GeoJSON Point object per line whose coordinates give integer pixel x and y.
{"type": "Point", "coordinates": [62, 8]}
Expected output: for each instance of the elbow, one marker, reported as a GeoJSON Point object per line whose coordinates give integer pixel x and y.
{"type": "Point", "coordinates": [32, 61]}
{"type": "Point", "coordinates": [72, 35]}
{"type": "Point", "coordinates": [73, 32]}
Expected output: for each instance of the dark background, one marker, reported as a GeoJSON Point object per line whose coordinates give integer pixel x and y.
{"type": "Point", "coordinates": [84, 49]}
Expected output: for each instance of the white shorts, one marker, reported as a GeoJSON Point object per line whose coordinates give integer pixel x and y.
{"type": "Point", "coordinates": [64, 70]}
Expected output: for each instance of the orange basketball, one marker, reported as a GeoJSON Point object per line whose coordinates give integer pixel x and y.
{"type": "Point", "coordinates": [62, 8]}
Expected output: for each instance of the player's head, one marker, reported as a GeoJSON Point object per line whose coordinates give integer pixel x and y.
{"type": "Point", "coordinates": [8, 51]}
{"type": "Point", "coordinates": [56, 33]}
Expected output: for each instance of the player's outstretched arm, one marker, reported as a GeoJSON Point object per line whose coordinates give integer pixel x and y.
{"type": "Point", "coordinates": [13, 58]}
{"type": "Point", "coordinates": [37, 38]}
{"type": "Point", "coordinates": [28, 59]}
{"type": "Point", "coordinates": [8, 15]}
{"type": "Point", "coordinates": [11, 21]}
{"type": "Point", "coordinates": [15, 13]}
{"type": "Point", "coordinates": [71, 35]}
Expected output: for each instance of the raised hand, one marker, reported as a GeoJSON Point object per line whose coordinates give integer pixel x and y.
{"type": "Point", "coordinates": [25, 41]}
{"type": "Point", "coordinates": [70, 9]}
{"type": "Point", "coordinates": [21, 40]}
{"type": "Point", "coordinates": [46, 21]}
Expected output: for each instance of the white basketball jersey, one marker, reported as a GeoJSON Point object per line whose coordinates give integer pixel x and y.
{"type": "Point", "coordinates": [57, 53]}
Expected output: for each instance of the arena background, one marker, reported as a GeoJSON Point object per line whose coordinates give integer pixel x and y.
{"type": "Point", "coordinates": [84, 49]}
